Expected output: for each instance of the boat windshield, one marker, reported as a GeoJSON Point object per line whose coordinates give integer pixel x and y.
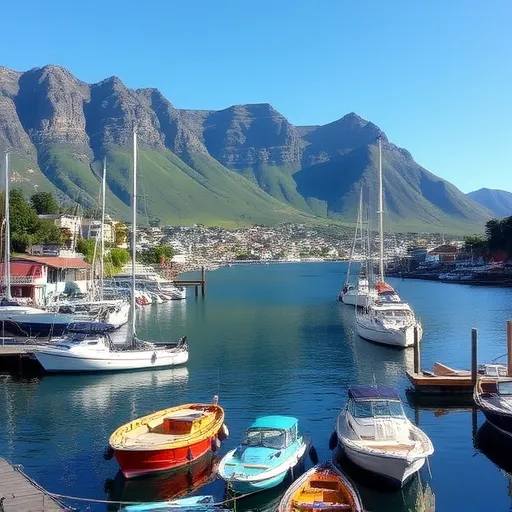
{"type": "Point", "coordinates": [266, 437]}
{"type": "Point", "coordinates": [505, 388]}
{"type": "Point", "coordinates": [377, 409]}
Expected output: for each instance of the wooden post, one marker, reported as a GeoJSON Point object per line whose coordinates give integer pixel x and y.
{"type": "Point", "coordinates": [417, 355]}
{"type": "Point", "coordinates": [474, 355]}
{"type": "Point", "coordinates": [203, 281]}
{"type": "Point", "coordinates": [197, 292]}
{"type": "Point", "coordinates": [509, 348]}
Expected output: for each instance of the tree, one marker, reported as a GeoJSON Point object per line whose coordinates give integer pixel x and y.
{"type": "Point", "coordinates": [158, 255]}
{"type": "Point", "coordinates": [119, 257]}
{"type": "Point", "coordinates": [120, 234]}
{"type": "Point", "coordinates": [44, 203]}
{"type": "Point", "coordinates": [86, 247]}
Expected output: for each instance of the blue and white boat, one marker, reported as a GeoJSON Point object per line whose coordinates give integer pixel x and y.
{"type": "Point", "coordinates": [271, 448]}
{"type": "Point", "coordinates": [193, 503]}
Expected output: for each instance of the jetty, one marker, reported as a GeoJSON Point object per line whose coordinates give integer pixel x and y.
{"type": "Point", "coordinates": [16, 357]}
{"type": "Point", "coordinates": [19, 493]}
{"type": "Point", "coordinates": [446, 380]}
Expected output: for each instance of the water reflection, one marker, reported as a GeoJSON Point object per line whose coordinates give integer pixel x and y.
{"type": "Point", "coordinates": [496, 446]}
{"type": "Point", "coordinates": [165, 486]}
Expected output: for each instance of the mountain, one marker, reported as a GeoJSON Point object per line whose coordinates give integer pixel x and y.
{"type": "Point", "coordinates": [241, 165]}
{"type": "Point", "coordinates": [498, 201]}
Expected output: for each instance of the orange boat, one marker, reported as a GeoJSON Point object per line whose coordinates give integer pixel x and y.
{"type": "Point", "coordinates": [321, 488]}
{"type": "Point", "coordinates": [168, 439]}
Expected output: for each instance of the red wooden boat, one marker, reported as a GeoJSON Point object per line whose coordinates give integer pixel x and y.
{"type": "Point", "coordinates": [168, 439]}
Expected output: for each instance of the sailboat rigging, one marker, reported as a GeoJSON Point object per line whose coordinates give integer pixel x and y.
{"type": "Point", "coordinates": [88, 349]}
{"type": "Point", "coordinates": [386, 318]}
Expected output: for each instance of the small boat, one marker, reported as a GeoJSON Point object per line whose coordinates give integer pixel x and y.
{"type": "Point", "coordinates": [493, 395]}
{"type": "Point", "coordinates": [167, 439]}
{"type": "Point", "coordinates": [323, 487]}
{"type": "Point", "coordinates": [376, 435]}
{"type": "Point", "coordinates": [271, 448]}
{"type": "Point", "coordinates": [195, 503]}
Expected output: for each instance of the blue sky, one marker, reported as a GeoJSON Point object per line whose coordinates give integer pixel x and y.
{"type": "Point", "coordinates": [435, 75]}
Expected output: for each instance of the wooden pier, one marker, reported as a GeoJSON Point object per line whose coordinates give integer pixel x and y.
{"type": "Point", "coordinates": [446, 380]}
{"type": "Point", "coordinates": [19, 493]}
{"type": "Point", "coordinates": [16, 358]}
{"type": "Point", "coordinates": [196, 283]}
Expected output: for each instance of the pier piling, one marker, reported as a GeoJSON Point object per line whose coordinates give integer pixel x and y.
{"type": "Point", "coordinates": [509, 348]}
{"type": "Point", "coordinates": [474, 355]}
{"type": "Point", "coordinates": [203, 281]}
{"type": "Point", "coordinates": [417, 354]}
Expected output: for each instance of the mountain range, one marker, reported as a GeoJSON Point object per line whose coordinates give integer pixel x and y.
{"type": "Point", "coordinates": [241, 165]}
{"type": "Point", "coordinates": [499, 202]}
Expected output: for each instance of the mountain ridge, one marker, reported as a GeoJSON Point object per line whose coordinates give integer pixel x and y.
{"type": "Point", "coordinates": [499, 202]}
{"type": "Point", "coordinates": [61, 128]}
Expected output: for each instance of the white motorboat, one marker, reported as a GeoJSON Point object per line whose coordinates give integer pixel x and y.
{"type": "Point", "coordinates": [386, 318]}
{"type": "Point", "coordinates": [94, 352]}
{"type": "Point", "coordinates": [376, 435]}
{"type": "Point", "coordinates": [493, 395]}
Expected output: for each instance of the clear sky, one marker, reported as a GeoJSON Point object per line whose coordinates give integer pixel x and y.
{"type": "Point", "coordinates": [435, 75]}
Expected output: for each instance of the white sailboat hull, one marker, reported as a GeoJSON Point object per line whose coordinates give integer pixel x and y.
{"type": "Point", "coordinates": [394, 336]}
{"type": "Point", "coordinates": [55, 360]}
{"type": "Point", "coordinates": [396, 470]}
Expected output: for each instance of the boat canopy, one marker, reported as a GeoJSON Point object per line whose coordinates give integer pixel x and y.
{"type": "Point", "coordinates": [380, 392]}
{"type": "Point", "coordinates": [90, 327]}
{"type": "Point", "coordinates": [279, 422]}
{"type": "Point", "coordinates": [383, 287]}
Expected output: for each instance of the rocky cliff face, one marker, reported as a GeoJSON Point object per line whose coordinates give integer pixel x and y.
{"type": "Point", "coordinates": [63, 127]}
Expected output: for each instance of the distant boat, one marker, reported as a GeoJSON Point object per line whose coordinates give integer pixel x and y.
{"type": "Point", "coordinates": [83, 355]}
{"type": "Point", "coordinates": [323, 487]}
{"type": "Point", "coordinates": [271, 448]}
{"type": "Point", "coordinates": [387, 319]}
{"type": "Point", "coordinates": [167, 439]}
{"type": "Point", "coordinates": [375, 434]}
{"type": "Point", "coordinates": [493, 395]}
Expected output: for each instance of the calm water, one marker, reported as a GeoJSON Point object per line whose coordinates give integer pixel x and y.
{"type": "Point", "coordinates": [270, 339]}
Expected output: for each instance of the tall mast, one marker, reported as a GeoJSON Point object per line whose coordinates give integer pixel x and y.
{"type": "Point", "coordinates": [358, 226]}
{"type": "Point", "coordinates": [7, 244]}
{"type": "Point", "coordinates": [134, 231]}
{"type": "Point", "coordinates": [102, 240]}
{"type": "Point", "coordinates": [381, 217]}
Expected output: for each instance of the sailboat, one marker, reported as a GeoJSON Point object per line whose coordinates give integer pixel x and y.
{"type": "Point", "coordinates": [91, 349]}
{"type": "Point", "coordinates": [386, 319]}
{"type": "Point", "coordinates": [357, 294]}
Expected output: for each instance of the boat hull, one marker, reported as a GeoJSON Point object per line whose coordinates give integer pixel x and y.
{"type": "Point", "coordinates": [134, 463]}
{"type": "Point", "coordinates": [242, 487]}
{"type": "Point", "coordinates": [58, 361]}
{"type": "Point", "coordinates": [501, 422]}
{"type": "Point", "coordinates": [401, 338]}
{"type": "Point", "coordinates": [395, 471]}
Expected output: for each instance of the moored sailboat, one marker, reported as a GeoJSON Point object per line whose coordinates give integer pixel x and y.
{"type": "Point", "coordinates": [80, 355]}
{"type": "Point", "coordinates": [386, 319]}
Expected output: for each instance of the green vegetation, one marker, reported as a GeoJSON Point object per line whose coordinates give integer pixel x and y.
{"type": "Point", "coordinates": [44, 203]}
{"type": "Point", "coordinates": [26, 227]}
{"type": "Point", "coordinates": [158, 255]}
{"type": "Point", "coordinates": [115, 260]}
{"type": "Point", "coordinates": [87, 248]}
{"type": "Point", "coordinates": [497, 242]}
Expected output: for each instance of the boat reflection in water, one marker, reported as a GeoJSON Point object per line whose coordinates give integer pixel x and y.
{"type": "Point", "coordinates": [164, 486]}
{"type": "Point", "coordinates": [416, 496]}
{"type": "Point", "coordinates": [497, 447]}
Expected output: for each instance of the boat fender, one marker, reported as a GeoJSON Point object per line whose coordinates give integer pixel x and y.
{"type": "Point", "coordinates": [223, 432]}
{"type": "Point", "coordinates": [153, 357]}
{"type": "Point", "coordinates": [108, 453]}
{"type": "Point", "coordinates": [333, 441]}
{"type": "Point", "coordinates": [190, 456]}
{"type": "Point", "coordinates": [215, 444]}
{"type": "Point", "coordinates": [313, 455]}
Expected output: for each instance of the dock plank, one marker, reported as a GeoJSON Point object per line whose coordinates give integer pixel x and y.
{"type": "Point", "coordinates": [19, 494]}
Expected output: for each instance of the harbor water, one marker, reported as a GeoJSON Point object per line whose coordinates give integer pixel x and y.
{"type": "Point", "coordinates": [271, 339]}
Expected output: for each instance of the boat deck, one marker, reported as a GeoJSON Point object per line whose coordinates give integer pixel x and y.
{"type": "Point", "coordinates": [18, 493]}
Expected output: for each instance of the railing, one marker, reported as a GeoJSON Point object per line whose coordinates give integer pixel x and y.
{"type": "Point", "coordinates": [21, 280]}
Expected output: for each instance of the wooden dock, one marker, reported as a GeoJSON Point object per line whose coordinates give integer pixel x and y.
{"type": "Point", "coordinates": [16, 358]}
{"type": "Point", "coordinates": [196, 283]}
{"type": "Point", "coordinates": [18, 493]}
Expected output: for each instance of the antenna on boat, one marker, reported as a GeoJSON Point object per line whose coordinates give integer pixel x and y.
{"type": "Point", "coordinates": [7, 242]}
